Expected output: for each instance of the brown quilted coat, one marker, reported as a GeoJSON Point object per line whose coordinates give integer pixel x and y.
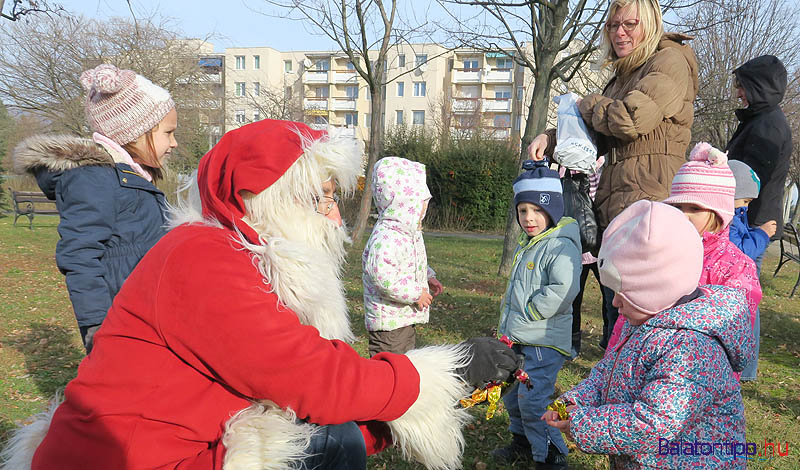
{"type": "Point", "coordinates": [643, 123]}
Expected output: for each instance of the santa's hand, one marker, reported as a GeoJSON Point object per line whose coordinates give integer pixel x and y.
{"type": "Point", "coordinates": [492, 362]}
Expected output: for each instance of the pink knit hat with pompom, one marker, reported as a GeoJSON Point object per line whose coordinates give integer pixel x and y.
{"type": "Point", "coordinates": [122, 105]}
{"type": "Point", "coordinates": [651, 255]}
{"type": "Point", "coordinates": [705, 180]}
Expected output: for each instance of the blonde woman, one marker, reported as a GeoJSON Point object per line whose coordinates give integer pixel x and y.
{"type": "Point", "coordinates": [644, 116]}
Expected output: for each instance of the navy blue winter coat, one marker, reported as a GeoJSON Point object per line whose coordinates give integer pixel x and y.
{"type": "Point", "coordinates": [110, 217]}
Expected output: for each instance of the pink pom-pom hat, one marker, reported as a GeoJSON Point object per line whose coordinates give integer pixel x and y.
{"type": "Point", "coordinates": [122, 105]}
{"type": "Point", "coordinates": [707, 181]}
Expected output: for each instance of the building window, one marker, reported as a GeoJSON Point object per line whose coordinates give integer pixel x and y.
{"type": "Point", "coordinates": [398, 117]}
{"type": "Point", "coordinates": [257, 88]}
{"type": "Point", "coordinates": [321, 92]}
{"type": "Point", "coordinates": [470, 65]}
{"type": "Point", "coordinates": [239, 62]}
{"type": "Point", "coordinates": [504, 63]}
{"type": "Point", "coordinates": [419, 89]}
{"type": "Point", "coordinates": [288, 93]}
{"type": "Point", "coordinates": [350, 66]}
{"type": "Point", "coordinates": [502, 93]}
{"type": "Point", "coordinates": [352, 92]}
{"type": "Point", "coordinates": [256, 62]}
{"type": "Point", "coordinates": [240, 89]}
{"type": "Point", "coordinates": [320, 121]}
{"type": "Point", "coordinates": [517, 122]}
{"type": "Point", "coordinates": [287, 66]}
{"type": "Point", "coordinates": [367, 120]}
{"type": "Point", "coordinates": [401, 60]}
{"type": "Point", "coordinates": [240, 117]}
{"type": "Point", "coordinates": [502, 120]}
{"type": "Point", "coordinates": [351, 119]}
{"type": "Point", "coordinates": [323, 65]}
{"type": "Point", "coordinates": [256, 116]}
{"type": "Point", "coordinates": [421, 59]}
{"type": "Point", "coordinates": [419, 118]}
{"type": "Point", "coordinates": [519, 93]}
{"type": "Point", "coordinates": [401, 88]}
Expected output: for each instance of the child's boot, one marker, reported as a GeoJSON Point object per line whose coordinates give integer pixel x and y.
{"type": "Point", "coordinates": [518, 450]}
{"type": "Point", "coordinates": [555, 460]}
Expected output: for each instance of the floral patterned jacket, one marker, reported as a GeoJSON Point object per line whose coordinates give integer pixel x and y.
{"type": "Point", "coordinates": [669, 382]}
{"type": "Point", "coordinates": [395, 264]}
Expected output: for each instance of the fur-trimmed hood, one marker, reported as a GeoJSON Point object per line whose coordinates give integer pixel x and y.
{"type": "Point", "coordinates": [58, 153]}
{"type": "Point", "coordinates": [47, 156]}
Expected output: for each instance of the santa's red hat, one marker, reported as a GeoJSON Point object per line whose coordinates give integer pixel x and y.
{"type": "Point", "coordinates": [250, 158]}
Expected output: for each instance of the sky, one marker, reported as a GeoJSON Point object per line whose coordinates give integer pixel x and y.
{"type": "Point", "coordinates": [233, 23]}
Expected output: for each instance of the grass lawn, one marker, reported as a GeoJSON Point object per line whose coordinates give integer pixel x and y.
{"type": "Point", "coordinates": [40, 347]}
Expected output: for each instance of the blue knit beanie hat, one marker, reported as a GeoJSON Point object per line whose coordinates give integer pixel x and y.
{"type": "Point", "coordinates": [540, 185]}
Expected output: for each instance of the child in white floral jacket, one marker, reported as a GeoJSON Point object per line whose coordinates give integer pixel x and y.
{"type": "Point", "coordinates": [398, 284]}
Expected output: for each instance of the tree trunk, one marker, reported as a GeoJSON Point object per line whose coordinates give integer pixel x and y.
{"type": "Point", "coordinates": [376, 132]}
{"type": "Point", "coordinates": [537, 118]}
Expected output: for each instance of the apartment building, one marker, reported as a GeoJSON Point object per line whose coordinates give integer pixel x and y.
{"type": "Point", "coordinates": [463, 90]}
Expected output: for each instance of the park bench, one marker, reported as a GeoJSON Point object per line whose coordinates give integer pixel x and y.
{"type": "Point", "coordinates": [29, 203]}
{"type": "Point", "coordinates": [790, 251]}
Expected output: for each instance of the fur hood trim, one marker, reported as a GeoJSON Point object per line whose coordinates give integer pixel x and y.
{"type": "Point", "coordinates": [58, 153]}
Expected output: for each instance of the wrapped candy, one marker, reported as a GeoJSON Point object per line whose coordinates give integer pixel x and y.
{"type": "Point", "coordinates": [559, 407]}
{"type": "Point", "coordinates": [492, 392]}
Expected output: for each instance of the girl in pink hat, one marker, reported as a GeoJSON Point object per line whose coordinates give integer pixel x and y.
{"type": "Point", "coordinates": [703, 189]}
{"type": "Point", "coordinates": [111, 212]}
{"type": "Point", "coordinates": [666, 395]}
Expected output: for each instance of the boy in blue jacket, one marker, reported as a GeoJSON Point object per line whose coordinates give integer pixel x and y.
{"type": "Point", "coordinates": [753, 241]}
{"type": "Point", "coordinates": [536, 312]}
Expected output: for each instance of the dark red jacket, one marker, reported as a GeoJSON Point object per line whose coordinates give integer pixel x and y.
{"type": "Point", "coordinates": [193, 336]}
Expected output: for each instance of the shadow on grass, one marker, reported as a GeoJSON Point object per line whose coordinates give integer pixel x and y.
{"type": "Point", "coordinates": [51, 358]}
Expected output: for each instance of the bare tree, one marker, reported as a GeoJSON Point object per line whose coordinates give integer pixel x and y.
{"type": "Point", "coordinates": [365, 31]}
{"type": "Point", "coordinates": [20, 8]}
{"type": "Point", "coordinates": [727, 34]}
{"type": "Point", "coordinates": [551, 38]}
{"type": "Point", "coordinates": [41, 62]}
{"type": "Point", "coordinates": [792, 109]}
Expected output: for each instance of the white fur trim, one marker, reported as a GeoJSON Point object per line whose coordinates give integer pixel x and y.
{"type": "Point", "coordinates": [430, 430]}
{"type": "Point", "coordinates": [264, 437]}
{"type": "Point", "coordinates": [19, 450]}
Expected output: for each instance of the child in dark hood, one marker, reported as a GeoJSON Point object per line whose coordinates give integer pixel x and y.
{"type": "Point", "coordinates": [671, 378]}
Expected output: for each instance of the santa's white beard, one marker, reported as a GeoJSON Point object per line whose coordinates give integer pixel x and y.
{"type": "Point", "coordinates": [301, 257]}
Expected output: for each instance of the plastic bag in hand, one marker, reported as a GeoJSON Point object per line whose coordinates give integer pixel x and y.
{"type": "Point", "coordinates": [575, 147]}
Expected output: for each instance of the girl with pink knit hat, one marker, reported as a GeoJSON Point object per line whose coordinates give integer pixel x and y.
{"type": "Point", "coordinates": [703, 189]}
{"type": "Point", "coordinates": [670, 380]}
{"type": "Point", "coordinates": [111, 212]}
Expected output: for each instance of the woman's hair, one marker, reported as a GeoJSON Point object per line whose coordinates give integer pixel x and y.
{"type": "Point", "coordinates": [649, 12]}
{"type": "Point", "coordinates": [148, 161]}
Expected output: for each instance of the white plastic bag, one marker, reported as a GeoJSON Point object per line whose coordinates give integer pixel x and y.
{"type": "Point", "coordinates": [575, 147]}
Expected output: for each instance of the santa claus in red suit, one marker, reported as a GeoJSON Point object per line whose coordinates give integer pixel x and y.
{"type": "Point", "coordinates": [227, 347]}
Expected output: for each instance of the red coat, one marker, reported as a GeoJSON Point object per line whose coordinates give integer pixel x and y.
{"type": "Point", "coordinates": [191, 338]}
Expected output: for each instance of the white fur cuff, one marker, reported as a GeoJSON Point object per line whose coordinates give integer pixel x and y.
{"type": "Point", "coordinates": [430, 431]}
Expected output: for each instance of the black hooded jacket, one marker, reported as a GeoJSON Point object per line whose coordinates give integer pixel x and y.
{"type": "Point", "coordinates": [763, 139]}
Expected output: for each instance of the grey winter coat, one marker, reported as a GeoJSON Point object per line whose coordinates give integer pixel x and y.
{"type": "Point", "coordinates": [537, 306]}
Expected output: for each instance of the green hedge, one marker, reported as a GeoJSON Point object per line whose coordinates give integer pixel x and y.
{"type": "Point", "coordinates": [470, 179]}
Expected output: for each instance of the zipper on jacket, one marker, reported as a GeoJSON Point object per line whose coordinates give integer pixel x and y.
{"type": "Point", "coordinates": [614, 366]}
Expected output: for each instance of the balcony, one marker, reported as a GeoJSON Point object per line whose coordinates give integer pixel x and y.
{"type": "Point", "coordinates": [315, 76]}
{"type": "Point", "coordinates": [498, 76]}
{"type": "Point", "coordinates": [344, 104]}
{"type": "Point", "coordinates": [345, 76]}
{"type": "Point", "coordinates": [461, 75]}
{"type": "Point", "coordinates": [462, 132]}
{"type": "Point", "coordinates": [499, 133]}
{"type": "Point", "coordinates": [347, 131]}
{"type": "Point", "coordinates": [465, 105]}
{"type": "Point", "coordinates": [315, 104]}
{"type": "Point", "coordinates": [497, 105]}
